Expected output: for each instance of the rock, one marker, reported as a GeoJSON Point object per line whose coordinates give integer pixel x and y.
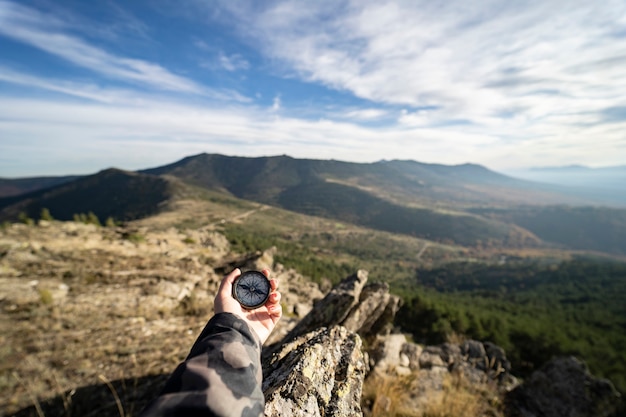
{"type": "Point", "coordinates": [499, 365]}
{"type": "Point", "coordinates": [404, 360]}
{"type": "Point", "coordinates": [412, 353]}
{"type": "Point", "coordinates": [375, 310]}
{"type": "Point", "coordinates": [317, 374]}
{"type": "Point", "coordinates": [387, 353]}
{"type": "Point", "coordinates": [563, 387]}
{"type": "Point", "coordinates": [428, 388]}
{"type": "Point", "coordinates": [475, 353]}
{"type": "Point", "coordinates": [431, 357]}
{"type": "Point", "coordinates": [298, 296]}
{"type": "Point", "coordinates": [363, 309]}
{"type": "Point", "coordinates": [334, 308]}
{"type": "Point", "coordinates": [450, 353]}
{"type": "Point", "coordinates": [301, 309]}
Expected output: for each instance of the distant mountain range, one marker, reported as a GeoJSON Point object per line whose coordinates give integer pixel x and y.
{"type": "Point", "coordinates": [463, 204]}
{"type": "Point", "coordinates": [596, 185]}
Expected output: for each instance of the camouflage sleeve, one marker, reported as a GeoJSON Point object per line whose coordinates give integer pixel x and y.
{"type": "Point", "coordinates": [222, 375]}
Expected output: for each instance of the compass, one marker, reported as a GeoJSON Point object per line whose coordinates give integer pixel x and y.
{"type": "Point", "coordinates": [251, 289]}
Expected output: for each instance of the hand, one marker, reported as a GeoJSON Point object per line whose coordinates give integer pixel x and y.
{"type": "Point", "coordinates": [263, 319]}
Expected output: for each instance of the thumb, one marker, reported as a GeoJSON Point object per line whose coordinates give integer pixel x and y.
{"type": "Point", "coordinates": [226, 287]}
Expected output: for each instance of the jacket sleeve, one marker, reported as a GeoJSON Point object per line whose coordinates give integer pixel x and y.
{"type": "Point", "coordinates": [222, 375]}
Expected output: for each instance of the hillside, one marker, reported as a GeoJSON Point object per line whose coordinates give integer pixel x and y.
{"type": "Point", "coordinates": [110, 193]}
{"type": "Point", "coordinates": [599, 229]}
{"type": "Point", "coordinates": [12, 187]}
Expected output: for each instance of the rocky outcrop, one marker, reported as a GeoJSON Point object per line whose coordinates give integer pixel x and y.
{"type": "Point", "coordinates": [319, 368]}
{"type": "Point", "coordinates": [563, 387]}
{"type": "Point", "coordinates": [360, 308]}
{"type": "Point", "coordinates": [317, 374]}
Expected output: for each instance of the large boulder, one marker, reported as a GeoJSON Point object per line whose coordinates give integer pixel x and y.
{"type": "Point", "coordinates": [317, 374]}
{"type": "Point", "coordinates": [563, 387]}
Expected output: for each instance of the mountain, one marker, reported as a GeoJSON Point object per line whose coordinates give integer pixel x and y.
{"type": "Point", "coordinates": [605, 186]}
{"type": "Point", "coordinates": [465, 204]}
{"type": "Point", "coordinates": [407, 182]}
{"type": "Point", "coordinates": [111, 193]}
{"type": "Point", "coordinates": [600, 229]}
{"type": "Point", "coordinates": [12, 187]}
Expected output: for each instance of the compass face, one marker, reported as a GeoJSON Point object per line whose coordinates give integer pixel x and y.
{"type": "Point", "coordinates": [251, 289]}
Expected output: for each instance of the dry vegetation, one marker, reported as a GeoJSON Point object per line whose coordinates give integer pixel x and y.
{"type": "Point", "coordinates": [389, 396]}
{"type": "Point", "coordinates": [84, 305]}
{"type": "Point", "coordinates": [101, 315]}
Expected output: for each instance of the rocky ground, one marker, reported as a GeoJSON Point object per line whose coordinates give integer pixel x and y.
{"type": "Point", "coordinates": [84, 305]}
{"type": "Point", "coordinates": [95, 318]}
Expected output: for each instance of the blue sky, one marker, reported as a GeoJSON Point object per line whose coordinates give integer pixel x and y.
{"type": "Point", "coordinates": [86, 85]}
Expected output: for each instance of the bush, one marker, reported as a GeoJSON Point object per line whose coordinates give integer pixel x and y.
{"type": "Point", "coordinates": [45, 215]}
{"type": "Point", "coordinates": [45, 296]}
{"type": "Point", "coordinates": [23, 218]}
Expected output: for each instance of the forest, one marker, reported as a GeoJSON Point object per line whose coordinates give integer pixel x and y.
{"type": "Point", "coordinates": [534, 312]}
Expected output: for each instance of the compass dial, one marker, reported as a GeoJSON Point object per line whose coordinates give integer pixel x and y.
{"type": "Point", "coordinates": [251, 289]}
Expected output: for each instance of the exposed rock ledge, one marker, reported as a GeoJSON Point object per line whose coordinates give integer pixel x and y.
{"type": "Point", "coordinates": [317, 374]}
{"type": "Point", "coordinates": [318, 368]}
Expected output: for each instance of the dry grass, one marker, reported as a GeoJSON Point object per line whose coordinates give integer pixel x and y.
{"type": "Point", "coordinates": [385, 396]}
{"type": "Point", "coordinates": [81, 304]}
{"type": "Point", "coordinates": [462, 398]}
{"type": "Point", "coordinates": [455, 338]}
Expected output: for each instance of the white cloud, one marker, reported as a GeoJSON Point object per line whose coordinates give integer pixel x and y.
{"type": "Point", "coordinates": [364, 114]}
{"type": "Point", "coordinates": [83, 138]}
{"type": "Point", "coordinates": [44, 32]}
{"type": "Point", "coordinates": [276, 103]}
{"type": "Point", "coordinates": [233, 62]}
{"type": "Point", "coordinates": [542, 68]}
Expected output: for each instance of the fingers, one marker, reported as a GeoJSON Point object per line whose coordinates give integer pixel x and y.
{"type": "Point", "coordinates": [274, 298]}
{"type": "Point", "coordinates": [274, 308]}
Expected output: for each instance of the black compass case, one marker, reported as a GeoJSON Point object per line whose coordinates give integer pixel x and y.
{"type": "Point", "coordinates": [251, 289]}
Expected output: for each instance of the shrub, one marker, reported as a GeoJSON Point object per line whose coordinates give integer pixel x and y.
{"type": "Point", "coordinates": [23, 218]}
{"type": "Point", "coordinates": [45, 296]}
{"type": "Point", "coordinates": [45, 215]}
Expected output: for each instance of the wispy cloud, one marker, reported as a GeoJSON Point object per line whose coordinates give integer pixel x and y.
{"type": "Point", "coordinates": [233, 62]}
{"type": "Point", "coordinates": [478, 62]}
{"type": "Point", "coordinates": [159, 131]}
{"type": "Point", "coordinates": [46, 33]}
{"type": "Point", "coordinates": [276, 103]}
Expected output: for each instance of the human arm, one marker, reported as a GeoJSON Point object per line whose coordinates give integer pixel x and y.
{"type": "Point", "coordinates": [222, 375]}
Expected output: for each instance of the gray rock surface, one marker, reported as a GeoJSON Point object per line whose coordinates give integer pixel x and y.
{"type": "Point", "coordinates": [374, 312]}
{"type": "Point", "coordinates": [316, 374]}
{"type": "Point", "coordinates": [364, 309]}
{"type": "Point", "coordinates": [563, 387]}
{"type": "Point", "coordinates": [333, 308]}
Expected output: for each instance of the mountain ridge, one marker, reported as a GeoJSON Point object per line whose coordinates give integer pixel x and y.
{"type": "Point", "coordinates": [447, 204]}
{"type": "Point", "coordinates": [124, 195]}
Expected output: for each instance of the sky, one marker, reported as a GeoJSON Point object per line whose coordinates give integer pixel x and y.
{"type": "Point", "coordinates": [87, 85]}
